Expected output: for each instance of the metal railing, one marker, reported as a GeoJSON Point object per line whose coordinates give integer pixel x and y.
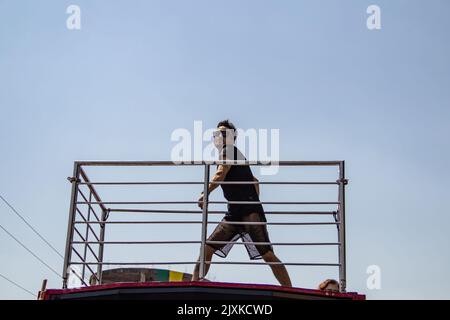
{"type": "Point", "coordinates": [93, 239]}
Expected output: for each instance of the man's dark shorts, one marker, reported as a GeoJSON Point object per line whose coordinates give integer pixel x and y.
{"type": "Point", "coordinates": [248, 233]}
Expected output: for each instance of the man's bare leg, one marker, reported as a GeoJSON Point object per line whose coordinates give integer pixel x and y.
{"type": "Point", "coordinates": [278, 270]}
{"type": "Point", "coordinates": [209, 251]}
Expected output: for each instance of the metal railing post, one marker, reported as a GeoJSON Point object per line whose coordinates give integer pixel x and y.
{"type": "Point", "coordinates": [341, 228]}
{"type": "Point", "coordinates": [101, 247]}
{"type": "Point", "coordinates": [204, 222]}
{"type": "Point", "coordinates": [72, 212]}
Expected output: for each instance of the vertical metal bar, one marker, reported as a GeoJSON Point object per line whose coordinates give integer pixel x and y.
{"type": "Point", "coordinates": [88, 219]}
{"type": "Point", "coordinates": [72, 212]}
{"type": "Point", "coordinates": [101, 247]}
{"type": "Point", "coordinates": [204, 222]}
{"type": "Point", "coordinates": [342, 252]}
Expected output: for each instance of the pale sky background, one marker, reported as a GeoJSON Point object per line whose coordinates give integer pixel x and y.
{"type": "Point", "coordinates": [137, 70]}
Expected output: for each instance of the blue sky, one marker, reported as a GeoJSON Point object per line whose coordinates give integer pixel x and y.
{"type": "Point", "coordinates": [136, 71]}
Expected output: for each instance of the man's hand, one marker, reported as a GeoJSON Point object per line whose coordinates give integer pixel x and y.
{"type": "Point", "coordinates": [200, 201]}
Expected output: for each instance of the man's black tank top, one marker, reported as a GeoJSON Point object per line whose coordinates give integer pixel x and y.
{"type": "Point", "coordinates": [239, 192]}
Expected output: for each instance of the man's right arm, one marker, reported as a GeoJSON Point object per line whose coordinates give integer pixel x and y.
{"type": "Point", "coordinates": [256, 185]}
{"type": "Point", "coordinates": [220, 175]}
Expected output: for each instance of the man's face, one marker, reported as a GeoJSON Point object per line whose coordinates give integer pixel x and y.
{"type": "Point", "coordinates": [222, 136]}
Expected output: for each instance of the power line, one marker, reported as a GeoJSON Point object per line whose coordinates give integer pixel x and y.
{"type": "Point", "coordinates": [17, 285]}
{"type": "Point", "coordinates": [31, 227]}
{"type": "Point", "coordinates": [31, 252]}
{"type": "Point", "coordinates": [38, 234]}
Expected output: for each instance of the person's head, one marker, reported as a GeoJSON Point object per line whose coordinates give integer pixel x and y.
{"type": "Point", "coordinates": [225, 134]}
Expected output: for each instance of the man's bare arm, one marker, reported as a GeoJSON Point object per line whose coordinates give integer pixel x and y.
{"type": "Point", "coordinates": [256, 185]}
{"type": "Point", "coordinates": [220, 175]}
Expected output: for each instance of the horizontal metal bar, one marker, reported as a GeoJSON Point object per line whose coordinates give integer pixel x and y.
{"type": "Point", "coordinates": [135, 242]}
{"type": "Point", "coordinates": [275, 263]}
{"type": "Point", "coordinates": [138, 202]}
{"type": "Point", "coordinates": [211, 262]}
{"type": "Point", "coordinates": [209, 202]}
{"type": "Point", "coordinates": [277, 182]}
{"type": "Point", "coordinates": [139, 183]}
{"type": "Point", "coordinates": [210, 222]}
{"type": "Point", "coordinates": [126, 210]}
{"type": "Point", "coordinates": [212, 242]}
{"type": "Point", "coordinates": [218, 212]}
{"type": "Point", "coordinates": [279, 243]}
{"type": "Point", "coordinates": [212, 182]}
{"type": "Point", "coordinates": [134, 263]}
{"type": "Point", "coordinates": [199, 163]}
{"type": "Point", "coordinates": [272, 202]}
{"type": "Point", "coordinates": [276, 223]}
{"type": "Point", "coordinates": [140, 222]}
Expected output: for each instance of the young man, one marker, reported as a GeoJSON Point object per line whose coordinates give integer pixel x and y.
{"type": "Point", "coordinates": [224, 139]}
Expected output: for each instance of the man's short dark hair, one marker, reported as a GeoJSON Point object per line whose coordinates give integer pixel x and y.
{"type": "Point", "coordinates": [227, 124]}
